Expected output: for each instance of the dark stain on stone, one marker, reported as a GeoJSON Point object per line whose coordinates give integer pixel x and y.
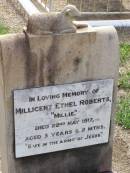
{"type": "Point", "coordinates": [34, 68]}
{"type": "Point", "coordinates": [87, 160]}
{"type": "Point", "coordinates": [31, 64]}
{"type": "Point", "coordinates": [68, 74]}
{"type": "Point", "coordinates": [110, 37]}
{"type": "Point", "coordinates": [31, 69]}
{"type": "Point", "coordinates": [92, 37]}
{"type": "Point", "coordinates": [76, 63]}
{"type": "Point", "coordinates": [51, 61]}
{"type": "Point", "coordinates": [29, 72]}
{"type": "Point", "coordinates": [41, 68]}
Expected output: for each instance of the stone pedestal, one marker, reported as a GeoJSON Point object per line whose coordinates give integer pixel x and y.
{"type": "Point", "coordinates": [89, 54]}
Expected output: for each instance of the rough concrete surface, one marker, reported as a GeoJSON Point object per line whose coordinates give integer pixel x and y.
{"type": "Point", "coordinates": [54, 62]}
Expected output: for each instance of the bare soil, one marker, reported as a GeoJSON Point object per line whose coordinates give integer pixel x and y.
{"type": "Point", "coordinates": [121, 150]}
{"type": "Point", "coordinates": [11, 18]}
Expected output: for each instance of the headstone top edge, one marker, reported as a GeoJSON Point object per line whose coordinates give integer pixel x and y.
{"type": "Point", "coordinates": [108, 80]}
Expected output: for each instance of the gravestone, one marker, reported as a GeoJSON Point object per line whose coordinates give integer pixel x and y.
{"type": "Point", "coordinates": [58, 94]}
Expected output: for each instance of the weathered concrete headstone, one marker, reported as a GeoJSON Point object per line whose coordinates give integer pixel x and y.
{"type": "Point", "coordinates": [58, 92]}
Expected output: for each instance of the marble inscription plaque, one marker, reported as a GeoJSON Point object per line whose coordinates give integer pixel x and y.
{"type": "Point", "coordinates": [61, 117]}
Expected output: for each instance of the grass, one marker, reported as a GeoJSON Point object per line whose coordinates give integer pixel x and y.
{"type": "Point", "coordinates": [3, 29]}
{"type": "Point", "coordinates": [123, 113]}
{"type": "Point", "coordinates": [124, 52]}
{"type": "Point", "coordinates": [123, 107]}
{"type": "Point", "coordinates": [124, 81]}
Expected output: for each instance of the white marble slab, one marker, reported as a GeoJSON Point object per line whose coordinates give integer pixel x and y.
{"type": "Point", "coordinates": [61, 117]}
